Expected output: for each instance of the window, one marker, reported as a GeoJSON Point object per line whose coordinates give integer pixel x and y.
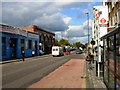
{"type": "Point", "coordinates": [26, 44]}
{"type": "Point", "coordinates": [29, 44]}
{"type": "Point", "coordinates": [46, 39]}
{"type": "Point", "coordinates": [3, 46]}
{"type": "Point", "coordinates": [22, 42]}
{"type": "Point", "coordinates": [42, 38]}
{"type": "Point", "coordinates": [33, 45]}
{"type": "Point", "coordinates": [118, 59]}
{"type": "Point", "coordinates": [111, 61]}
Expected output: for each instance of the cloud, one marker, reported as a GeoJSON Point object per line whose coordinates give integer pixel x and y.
{"type": "Point", "coordinates": [76, 33]}
{"type": "Point", "coordinates": [67, 20]}
{"type": "Point", "coordinates": [48, 15]}
{"type": "Point", "coordinates": [44, 14]}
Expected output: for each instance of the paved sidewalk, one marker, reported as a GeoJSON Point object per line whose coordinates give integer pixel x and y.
{"type": "Point", "coordinates": [92, 81]}
{"type": "Point", "coordinates": [68, 75]}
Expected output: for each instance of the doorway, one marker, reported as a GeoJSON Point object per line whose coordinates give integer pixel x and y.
{"type": "Point", "coordinates": [35, 47]}
{"type": "Point", "coordinates": [13, 46]}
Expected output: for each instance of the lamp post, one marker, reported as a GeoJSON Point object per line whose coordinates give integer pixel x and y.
{"type": "Point", "coordinates": [87, 13]}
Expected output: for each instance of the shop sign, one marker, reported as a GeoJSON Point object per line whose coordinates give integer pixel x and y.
{"type": "Point", "coordinates": [9, 29]}
{"type": "Point", "coordinates": [33, 35]}
{"type": "Point", "coordinates": [23, 33]}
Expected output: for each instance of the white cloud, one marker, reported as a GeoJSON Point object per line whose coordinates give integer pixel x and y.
{"type": "Point", "coordinates": [67, 20]}
{"type": "Point", "coordinates": [76, 33]}
{"type": "Point", "coordinates": [45, 15]}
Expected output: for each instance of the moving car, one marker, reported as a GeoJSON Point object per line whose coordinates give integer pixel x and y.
{"type": "Point", "coordinates": [78, 51]}
{"type": "Point", "coordinates": [57, 51]}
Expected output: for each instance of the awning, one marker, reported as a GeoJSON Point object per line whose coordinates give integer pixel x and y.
{"type": "Point", "coordinates": [114, 31]}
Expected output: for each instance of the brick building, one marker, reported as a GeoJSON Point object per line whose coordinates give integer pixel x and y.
{"type": "Point", "coordinates": [114, 14]}
{"type": "Point", "coordinates": [47, 39]}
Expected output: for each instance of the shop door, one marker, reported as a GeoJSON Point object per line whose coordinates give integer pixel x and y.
{"type": "Point", "coordinates": [35, 47]}
{"type": "Point", "coordinates": [13, 46]}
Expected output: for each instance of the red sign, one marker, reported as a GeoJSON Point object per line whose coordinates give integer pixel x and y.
{"type": "Point", "coordinates": [102, 20]}
{"type": "Point", "coordinates": [97, 15]}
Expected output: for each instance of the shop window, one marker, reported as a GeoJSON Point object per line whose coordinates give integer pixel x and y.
{"type": "Point", "coordinates": [42, 38]}
{"type": "Point", "coordinates": [3, 46]}
{"type": "Point", "coordinates": [118, 60]}
{"type": "Point", "coordinates": [29, 44]}
{"type": "Point", "coordinates": [110, 50]}
{"type": "Point", "coordinates": [22, 42]}
{"type": "Point", "coordinates": [26, 44]}
{"type": "Point", "coordinates": [46, 39]}
{"type": "Point", "coordinates": [106, 62]}
{"type": "Point", "coordinates": [33, 45]}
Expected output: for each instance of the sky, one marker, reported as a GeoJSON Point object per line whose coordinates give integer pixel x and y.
{"type": "Point", "coordinates": [67, 18]}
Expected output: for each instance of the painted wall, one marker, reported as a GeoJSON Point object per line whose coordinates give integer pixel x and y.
{"type": "Point", "coordinates": [9, 50]}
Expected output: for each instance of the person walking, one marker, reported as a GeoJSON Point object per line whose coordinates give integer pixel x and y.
{"type": "Point", "coordinates": [88, 58]}
{"type": "Point", "coordinates": [22, 52]}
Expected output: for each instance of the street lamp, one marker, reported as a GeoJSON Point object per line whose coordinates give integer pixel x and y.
{"type": "Point", "coordinates": [87, 13]}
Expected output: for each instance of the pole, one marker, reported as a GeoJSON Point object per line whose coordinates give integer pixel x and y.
{"type": "Point", "coordinates": [88, 29]}
{"type": "Point", "coordinates": [99, 51]}
{"type": "Point", "coordinates": [88, 26]}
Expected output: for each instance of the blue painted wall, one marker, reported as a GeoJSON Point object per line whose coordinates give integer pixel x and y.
{"type": "Point", "coordinates": [9, 50]}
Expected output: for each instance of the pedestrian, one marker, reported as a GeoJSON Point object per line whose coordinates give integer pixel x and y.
{"type": "Point", "coordinates": [88, 58]}
{"type": "Point", "coordinates": [22, 52]}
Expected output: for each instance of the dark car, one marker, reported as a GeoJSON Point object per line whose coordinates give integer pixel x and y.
{"type": "Point", "coordinates": [78, 51]}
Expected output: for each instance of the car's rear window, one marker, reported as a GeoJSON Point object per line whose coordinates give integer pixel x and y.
{"type": "Point", "coordinates": [55, 49]}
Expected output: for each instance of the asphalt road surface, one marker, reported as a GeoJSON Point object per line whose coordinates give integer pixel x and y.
{"type": "Point", "coordinates": [23, 74]}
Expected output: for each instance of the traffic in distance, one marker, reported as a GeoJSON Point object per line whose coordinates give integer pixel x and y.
{"type": "Point", "coordinates": [61, 50]}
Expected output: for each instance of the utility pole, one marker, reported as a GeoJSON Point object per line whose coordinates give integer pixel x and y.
{"type": "Point", "coordinates": [88, 26]}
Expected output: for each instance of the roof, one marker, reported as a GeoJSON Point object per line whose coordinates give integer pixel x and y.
{"type": "Point", "coordinates": [37, 27]}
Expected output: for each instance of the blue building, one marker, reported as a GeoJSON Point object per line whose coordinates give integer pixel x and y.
{"type": "Point", "coordinates": [12, 40]}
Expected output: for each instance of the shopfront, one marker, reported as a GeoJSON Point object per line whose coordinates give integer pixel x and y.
{"type": "Point", "coordinates": [112, 59]}
{"type": "Point", "coordinates": [14, 40]}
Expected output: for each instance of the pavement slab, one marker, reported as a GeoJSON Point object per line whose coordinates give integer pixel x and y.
{"type": "Point", "coordinates": [69, 75]}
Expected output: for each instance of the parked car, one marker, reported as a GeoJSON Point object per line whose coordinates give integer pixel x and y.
{"type": "Point", "coordinates": [78, 51]}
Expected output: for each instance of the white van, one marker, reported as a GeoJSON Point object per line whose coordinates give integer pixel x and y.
{"type": "Point", "coordinates": [57, 51]}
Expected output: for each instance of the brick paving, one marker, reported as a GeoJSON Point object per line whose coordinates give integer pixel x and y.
{"type": "Point", "coordinates": [67, 76]}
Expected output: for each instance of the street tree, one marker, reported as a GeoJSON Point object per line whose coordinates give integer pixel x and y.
{"type": "Point", "coordinates": [64, 42]}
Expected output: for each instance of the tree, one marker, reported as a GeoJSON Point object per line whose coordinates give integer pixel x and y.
{"type": "Point", "coordinates": [78, 44]}
{"type": "Point", "coordinates": [64, 42]}
{"type": "Point", "coordinates": [56, 42]}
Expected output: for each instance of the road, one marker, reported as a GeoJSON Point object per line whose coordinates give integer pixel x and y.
{"type": "Point", "coordinates": [23, 74]}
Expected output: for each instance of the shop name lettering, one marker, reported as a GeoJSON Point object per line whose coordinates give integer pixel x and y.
{"type": "Point", "coordinates": [12, 30]}
{"type": "Point", "coordinates": [8, 29]}
{"type": "Point", "coordinates": [33, 35]}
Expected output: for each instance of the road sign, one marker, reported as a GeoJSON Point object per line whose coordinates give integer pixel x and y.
{"type": "Point", "coordinates": [102, 20]}
{"type": "Point", "coordinates": [97, 15]}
